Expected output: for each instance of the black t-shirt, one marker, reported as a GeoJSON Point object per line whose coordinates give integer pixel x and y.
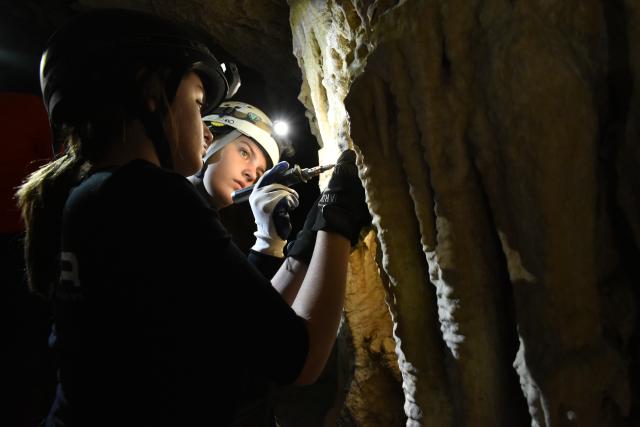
{"type": "Point", "coordinates": [160, 319]}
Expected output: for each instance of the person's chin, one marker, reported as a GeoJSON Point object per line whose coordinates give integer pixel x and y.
{"type": "Point", "coordinates": [223, 198]}
{"type": "Point", "coordinates": [229, 200]}
{"type": "Point", "coordinates": [188, 168]}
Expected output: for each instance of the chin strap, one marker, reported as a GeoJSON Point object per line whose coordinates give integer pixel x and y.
{"type": "Point", "coordinates": [153, 123]}
{"type": "Point", "coordinates": [215, 147]}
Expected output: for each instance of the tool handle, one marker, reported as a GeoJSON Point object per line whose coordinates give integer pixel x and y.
{"type": "Point", "coordinates": [289, 177]}
{"type": "Point", "coordinates": [242, 195]}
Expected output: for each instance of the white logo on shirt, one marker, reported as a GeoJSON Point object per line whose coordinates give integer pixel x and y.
{"type": "Point", "coordinates": [69, 269]}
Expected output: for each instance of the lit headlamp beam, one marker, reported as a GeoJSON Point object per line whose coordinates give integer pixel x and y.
{"type": "Point", "coordinates": [280, 128]}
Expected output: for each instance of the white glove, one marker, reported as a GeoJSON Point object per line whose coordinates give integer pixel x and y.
{"type": "Point", "coordinates": [271, 204]}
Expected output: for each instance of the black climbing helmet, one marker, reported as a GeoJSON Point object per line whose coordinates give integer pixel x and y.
{"type": "Point", "coordinates": [89, 61]}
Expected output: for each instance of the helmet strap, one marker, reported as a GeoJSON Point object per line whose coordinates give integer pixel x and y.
{"type": "Point", "coordinates": [215, 147]}
{"type": "Point", "coordinates": [153, 122]}
{"type": "Point", "coordinates": [173, 81]}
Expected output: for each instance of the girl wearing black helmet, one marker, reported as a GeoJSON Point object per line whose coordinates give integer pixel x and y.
{"type": "Point", "coordinates": [125, 247]}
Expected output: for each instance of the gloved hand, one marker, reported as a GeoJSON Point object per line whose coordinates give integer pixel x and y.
{"type": "Point", "coordinates": [271, 203]}
{"type": "Point", "coordinates": [302, 247]}
{"type": "Point", "coordinates": [342, 206]}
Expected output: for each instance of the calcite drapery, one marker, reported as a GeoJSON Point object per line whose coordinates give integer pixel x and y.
{"type": "Point", "coordinates": [484, 129]}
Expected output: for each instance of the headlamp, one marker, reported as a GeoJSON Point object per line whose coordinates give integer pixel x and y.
{"type": "Point", "coordinates": [280, 128]}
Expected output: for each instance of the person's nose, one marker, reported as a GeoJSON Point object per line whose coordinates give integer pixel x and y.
{"type": "Point", "coordinates": [208, 136]}
{"type": "Point", "coordinates": [249, 175]}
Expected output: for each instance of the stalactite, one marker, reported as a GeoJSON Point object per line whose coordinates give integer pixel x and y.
{"type": "Point", "coordinates": [478, 125]}
{"type": "Point", "coordinates": [422, 366]}
{"type": "Point", "coordinates": [540, 96]}
{"type": "Point", "coordinates": [376, 374]}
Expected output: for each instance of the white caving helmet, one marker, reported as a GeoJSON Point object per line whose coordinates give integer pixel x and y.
{"type": "Point", "coordinates": [246, 120]}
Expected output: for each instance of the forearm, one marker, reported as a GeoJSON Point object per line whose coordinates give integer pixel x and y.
{"type": "Point", "coordinates": [288, 279]}
{"type": "Point", "coordinates": [320, 300]}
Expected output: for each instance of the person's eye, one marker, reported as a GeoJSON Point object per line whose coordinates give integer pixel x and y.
{"type": "Point", "coordinates": [200, 104]}
{"type": "Point", "coordinates": [244, 153]}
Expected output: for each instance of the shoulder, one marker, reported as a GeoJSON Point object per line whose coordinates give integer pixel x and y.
{"type": "Point", "coordinates": [140, 191]}
{"type": "Point", "coordinates": [143, 177]}
{"type": "Point", "coordinates": [143, 185]}
{"type": "Point", "coordinates": [137, 176]}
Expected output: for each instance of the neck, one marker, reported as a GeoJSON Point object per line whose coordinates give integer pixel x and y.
{"type": "Point", "coordinates": [135, 144]}
{"type": "Point", "coordinates": [199, 184]}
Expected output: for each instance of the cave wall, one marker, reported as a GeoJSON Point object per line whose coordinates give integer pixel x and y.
{"type": "Point", "coordinates": [498, 147]}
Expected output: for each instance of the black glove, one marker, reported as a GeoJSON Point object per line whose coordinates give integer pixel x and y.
{"type": "Point", "coordinates": [342, 206]}
{"type": "Point", "coordinates": [302, 247]}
